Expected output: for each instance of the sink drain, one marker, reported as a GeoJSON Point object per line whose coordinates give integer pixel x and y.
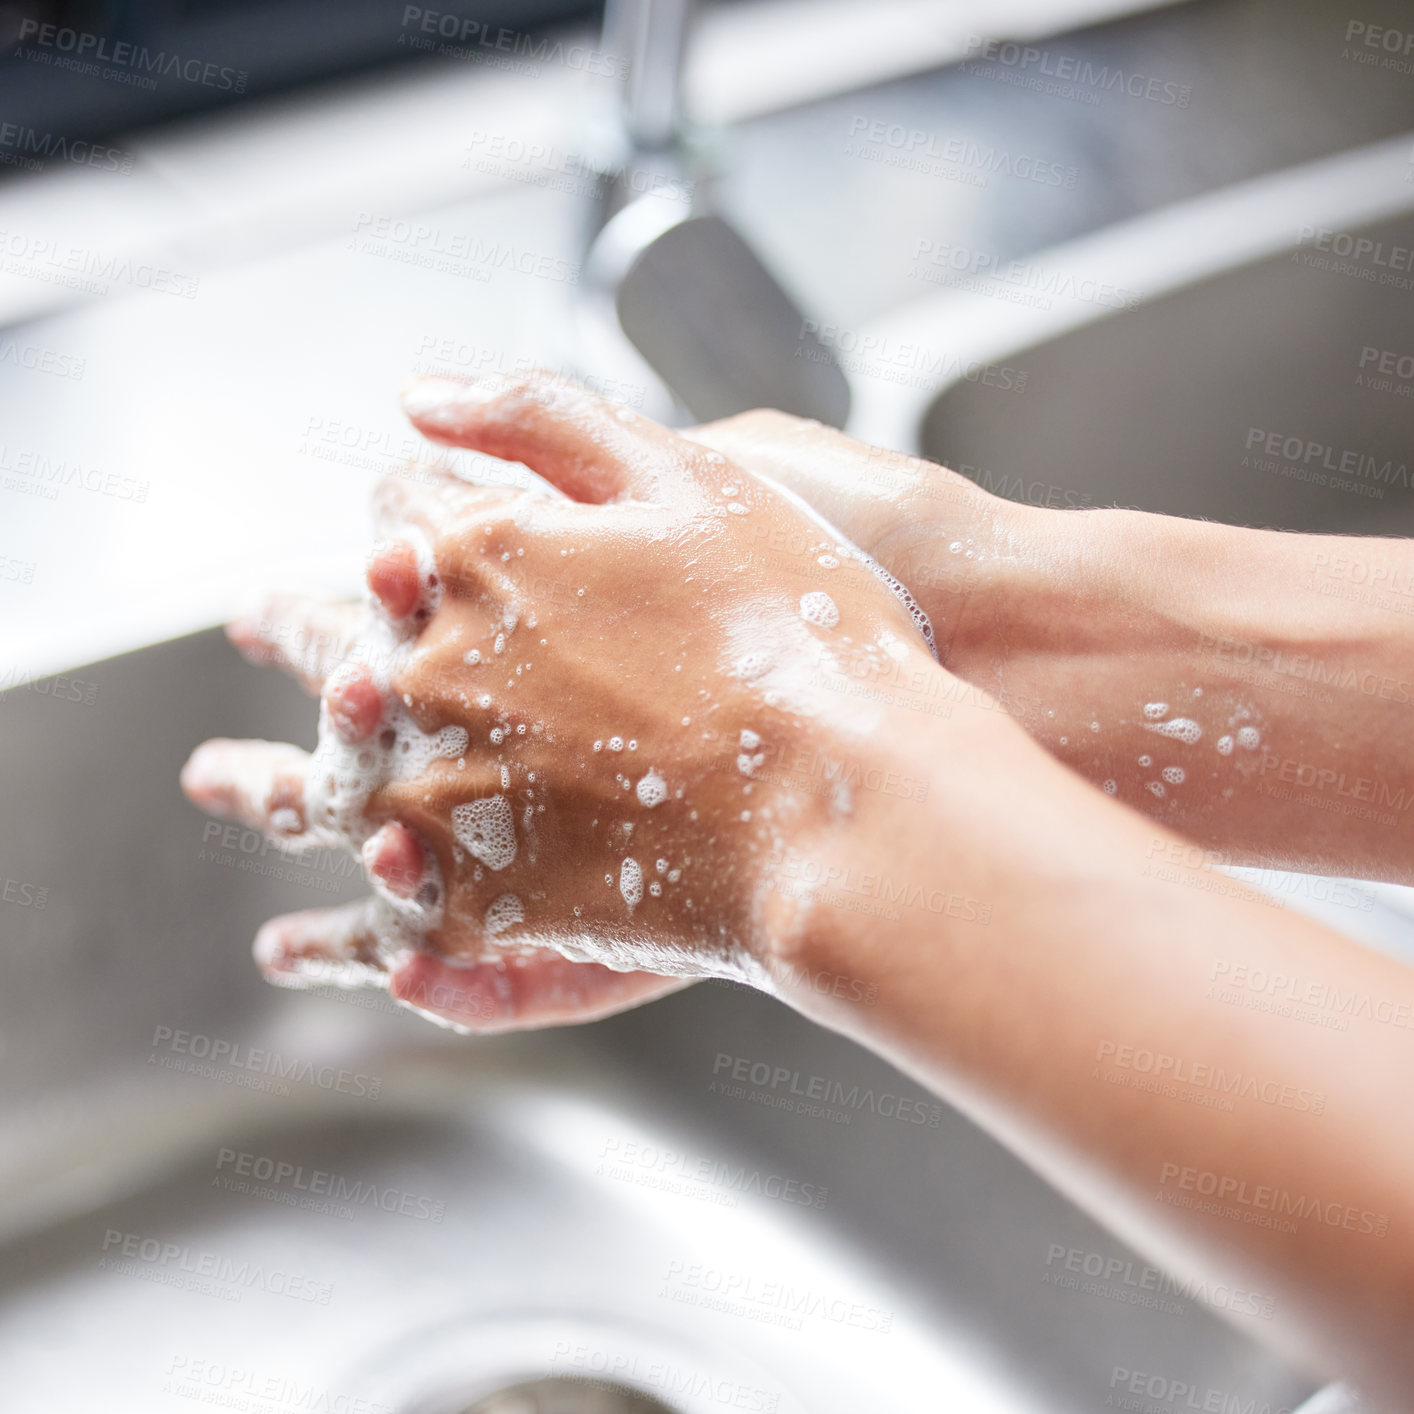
{"type": "Point", "coordinates": [565, 1363]}
{"type": "Point", "coordinates": [567, 1396]}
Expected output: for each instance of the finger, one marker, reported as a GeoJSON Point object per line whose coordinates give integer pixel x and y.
{"type": "Point", "coordinates": [329, 946]}
{"type": "Point", "coordinates": [406, 584]}
{"type": "Point", "coordinates": [259, 783]}
{"type": "Point", "coordinates": [589, 448]}
{"type": "Point", "coordinates": [397, 579]}
{"type": "Point", "coordinates": [306, 636]}
{"type": "Point", "coordinates": [393, 856]}
{"type": "Point", "coordinates": [521, 991]}
{"type": "Point", "coordinates": [354, 704]}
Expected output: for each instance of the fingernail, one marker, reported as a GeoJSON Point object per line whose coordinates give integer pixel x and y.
{"type": "Point", "coordinates": [393, 856]}
{"type": "Point", "coordinates": [395, 579]}
{"type": "Point", "coordinates": [355, 705]}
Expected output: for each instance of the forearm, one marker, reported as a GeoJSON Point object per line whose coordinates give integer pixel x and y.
{"type": "Point", "coordinates": [1076, 621]}
{"type": "Point", "coordinates": [1228, 682]}
{"type": "Point", "coordinates": [1091, 977]}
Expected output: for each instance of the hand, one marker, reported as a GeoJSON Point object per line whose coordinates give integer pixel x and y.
{"type": "Point", "coordinates": [1248, 688]}
{"type": "Point", "coordinates": [739, 666]}
{"type": "Point", "coordinates": [551, 732]}
{"type": "Point", "coordinates": [938, 532]}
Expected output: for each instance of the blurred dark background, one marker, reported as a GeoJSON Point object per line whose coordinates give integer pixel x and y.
{"type": "Point", "coordinates": [253, 49]}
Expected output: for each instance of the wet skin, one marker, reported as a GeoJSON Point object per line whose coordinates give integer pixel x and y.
{"type": "Point", "coordinates": [1296, 649]}
{"type": "Point", "coordinates": [1039, 921]}
{"type": "Point", "coordinates": [622, 635]}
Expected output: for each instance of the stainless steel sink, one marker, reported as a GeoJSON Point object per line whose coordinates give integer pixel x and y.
{"type": "Point", "coordinates": [218, 1195]}
{"type": "Point", "coordinates": [1280, 394]}
{"type": "Point", "coordinates": [1244, 357]}
{"type": "Point", "coordinates": [214, 1191]}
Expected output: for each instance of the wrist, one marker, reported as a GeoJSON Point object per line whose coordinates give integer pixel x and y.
{"type": "Point", "coordinates": [974, 561]}
{"type": "Point", "coordinates": [1019, 582]}
{"type": "Point", "coordinates": [845, 900]}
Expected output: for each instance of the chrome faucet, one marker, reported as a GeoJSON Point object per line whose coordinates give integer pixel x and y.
{"type": "Point", "coordinates": [674, 303]}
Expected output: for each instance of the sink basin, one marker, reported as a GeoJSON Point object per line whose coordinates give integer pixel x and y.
{"type": "Point", "coordinates": [214, 1191]}
{"type": "Point", "coordinates": [1244, 357]}
{"type": "Point", "coordinates": [1279, 394]}
{"type": "Point", "coordinates": [219, 1195]}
